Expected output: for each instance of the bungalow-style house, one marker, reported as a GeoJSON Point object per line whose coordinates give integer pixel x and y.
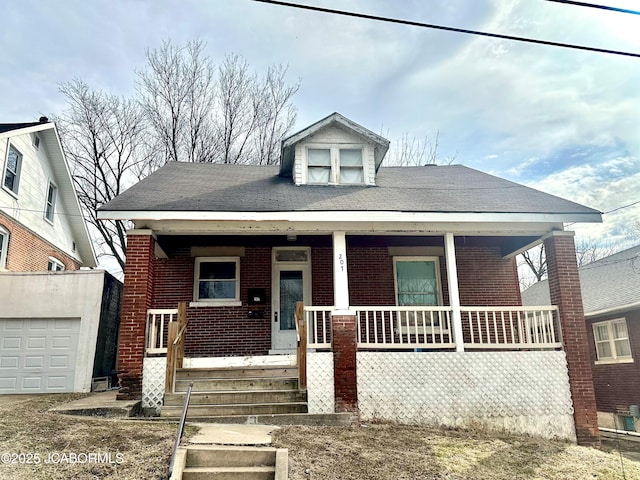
{"type": "Point", "coordinates": [611, 299]}
{"type": "Point", "coordinates": [411, 303]}
{"type": "Point", "coordinates": [50, 311]}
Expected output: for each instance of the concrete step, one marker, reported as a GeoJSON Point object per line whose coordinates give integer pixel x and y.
{"type": "Point", "coordinates": [230, 456]}
{"type": "Point", "coordinates": [319, 419]}
{"type": "Point", "coordinates": [237, 397]}
{"type": "Point", "coordinates": [229, 384]}
{"type": "Point", "coordinates": [229, 473]}
{"type": "Point", "coordinates": [239, 409]}
{"type": "Point", "coordinates": [262, 371]}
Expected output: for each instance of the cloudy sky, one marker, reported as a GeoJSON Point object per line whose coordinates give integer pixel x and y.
{"type": "Point", "coordinates": [564, 121]}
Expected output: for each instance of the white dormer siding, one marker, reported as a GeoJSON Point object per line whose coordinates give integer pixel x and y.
{"type": "Point", "coordinates": [333, 138]}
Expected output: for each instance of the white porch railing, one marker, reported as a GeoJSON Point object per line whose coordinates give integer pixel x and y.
{"type": "Point", "coordinates": [511, 327]}
{"type": "Point", "coordinates": [158, 321]}
{"type": "Point", "coordinates": [318, 326]}
{"type": "Point", "coordinates": [429, 327]}
{"type": "Point", "coordinates": [404, 327]}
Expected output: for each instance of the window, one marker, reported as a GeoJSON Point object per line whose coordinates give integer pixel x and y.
{"type": "Point", "coordinates": [4, 247]}
{"type": "Point", "coordinates": [55, 265]}
{"type": "Point", "coordinates": [12, 170]}
{"type": "Point", "coordinates": [612, 341]}
{"type": "Point", "coordinates": [217, 280]}
{"type": "Point", "coordinates": [50, 206]}
{"type": "Point", "coordinates": [36, 141]}
{"type": "Point", "coordinates": [335, 165]}
{"type": "Point", "coordinates": [417, 281]}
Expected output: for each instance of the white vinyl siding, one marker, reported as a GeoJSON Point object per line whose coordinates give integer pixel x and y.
{"type": "Point", "coordinates": [612, 341]}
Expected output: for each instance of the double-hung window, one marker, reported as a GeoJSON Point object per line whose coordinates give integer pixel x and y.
{"type": "Point", "coordinates": [217, 280]}
{"type": "Point", "coordinates": [335, 164]}
{"type": "Point", "coordinates": [417, 284]}
{"type": "Point", "coordinates": [12, 171]}
{"type": "Point", "coordinates": [612, 341]}
{"type": "Point", "coordinates": [4, 246]}
{"type": "Point", "coordinates": [50, 205]}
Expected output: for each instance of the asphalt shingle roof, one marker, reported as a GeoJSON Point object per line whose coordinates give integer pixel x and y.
{"type": "Point", "coordinates": [7, 127]}
{"type": "Point", "coordinates": [611, 282]}
{"type": "Point", "coordinates": [180, 186]}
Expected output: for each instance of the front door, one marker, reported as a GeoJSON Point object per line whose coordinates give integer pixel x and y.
{"type": "Point", "coordinates": [291, 284]}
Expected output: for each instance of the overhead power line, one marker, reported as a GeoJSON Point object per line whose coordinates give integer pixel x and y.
{"type": "Point", "coordinates": [448, 29]}
{"type": "Point", "coordinates": [595, 5]}
{"type": "Point", "coordinates": [623, 206]}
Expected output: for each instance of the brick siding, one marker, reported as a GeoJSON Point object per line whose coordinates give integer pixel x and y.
{"type": "Point", "coordinates": [29, 252]}
{"type": "Point", "coordinates": [617, 385]}
{"type": "Point", "coordinates": [564, 290]}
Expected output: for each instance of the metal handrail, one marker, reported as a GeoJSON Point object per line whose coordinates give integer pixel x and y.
{"type": "Point", "coordinates": [183, 420]}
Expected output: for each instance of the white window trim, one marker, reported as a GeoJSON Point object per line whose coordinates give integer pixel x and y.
{"type": "Point", "coordinates": [4, 234]}
{"type": "Point", "coordinates": [35, 141]}
{"type": "Point", "coordinates": [56, 262]}
{"type": "Point", "coordinates": [334, 174]}
{"type": "Point", "coordinates": [46, 202]}
{"type": "Point", "coordinates": [397, 259]}
{"type": "Point", "coordinates": [615, 358]}
{"type": "Point", "coordinates": [212, 302]}
{"type": "Point", "coordinates": [18, 173]}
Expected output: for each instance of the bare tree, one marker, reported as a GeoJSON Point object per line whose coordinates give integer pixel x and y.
{"type": "Point", "coordinates": [589, 249]}
{"type": "Point", "coordinates": [177, 94]}
{"type": "Point", "coordinates": [409, 150]}
{"type": "Point", "coordinates": [104, 138]}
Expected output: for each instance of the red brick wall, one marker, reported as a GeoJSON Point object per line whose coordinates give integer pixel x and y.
{"type": "Point", "coordinates": [564, 290]}
{"type": "Point", "coordinates": [344, 347]}
{"type": "Point", "coordinates": [29, 252]}
{"type": "Point", "coordinates": [617, 385]}
{"type": "Point", "coordinates": [219, 331]}
{"type": "Point", "coordinates": [136, 300]}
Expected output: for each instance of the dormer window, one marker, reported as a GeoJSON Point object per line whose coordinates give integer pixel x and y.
{"type": "Point", "coordinates": [335, 164]}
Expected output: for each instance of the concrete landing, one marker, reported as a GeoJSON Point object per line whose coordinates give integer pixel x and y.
{"type": "Point", "coordinates": [221, 434]}
{"type": "Point", "coordinates": [101, 404]}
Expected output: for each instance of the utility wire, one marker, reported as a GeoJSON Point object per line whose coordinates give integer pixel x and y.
{"type": "Point", "coordinates": [448, 29]}
{"type": "Point", "coordinates": [623, 206]}
{"type": "Point", "coordinates": [594, 5]}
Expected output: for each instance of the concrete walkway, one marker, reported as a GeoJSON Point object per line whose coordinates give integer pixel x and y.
{"type": "Point", "coordinates": [102, 404]}
{"type": "Point", "coordinates": [219, 434]}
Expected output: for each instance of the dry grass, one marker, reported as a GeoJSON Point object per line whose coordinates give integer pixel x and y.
{"type": "Point", "coordinates": [28, 427]}
{"type": "Point", "coordinates": [383, 451]}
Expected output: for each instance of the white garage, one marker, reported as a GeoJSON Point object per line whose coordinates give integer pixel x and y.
{"type": "Point", "coordinates": [38, 355]}
{"type": "Point", "coordinates": [48, 330]}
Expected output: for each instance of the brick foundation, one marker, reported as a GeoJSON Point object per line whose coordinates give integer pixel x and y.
{"type": "Point", "coordinates": [564, 290]}
{"type": "Point", "coordinates": [344, 346]}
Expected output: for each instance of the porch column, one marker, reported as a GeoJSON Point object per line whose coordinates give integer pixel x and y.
{"type": "Point", "coordinates": [136, 300]}
{"type": "Point", "coordinates": [454, 292]}
{"type": "Point", "coordinates": [564, 290]}
{"type": "Point", "coordinates": [344, 341]}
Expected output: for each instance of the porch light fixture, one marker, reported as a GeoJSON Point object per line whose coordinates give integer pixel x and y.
{"type": "Point", "coordinates": [291, 238]}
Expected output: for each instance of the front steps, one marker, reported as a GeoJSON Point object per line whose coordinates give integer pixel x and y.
{"type": "Point", "coordinates": [203, 462]}
{"type": "Point", "coordinates": [236, 391]}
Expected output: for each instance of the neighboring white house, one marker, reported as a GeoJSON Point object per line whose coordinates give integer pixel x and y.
{"type": "Point", "coordinates": [58, 325]}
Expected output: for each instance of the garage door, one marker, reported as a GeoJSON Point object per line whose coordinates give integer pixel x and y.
{"type": "Point", "coordinates": [38, 355]}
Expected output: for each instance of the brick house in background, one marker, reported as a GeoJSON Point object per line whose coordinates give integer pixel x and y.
{"type": "Point", "coordinates": [51, 313]}
{"type": "Point", "coordinates": [611, 296]}
{"type": "Point", "coordinates": [410, 289]}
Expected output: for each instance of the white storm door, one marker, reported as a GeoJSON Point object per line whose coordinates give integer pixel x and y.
{"type": "Point", "coordinates": [291, 284]}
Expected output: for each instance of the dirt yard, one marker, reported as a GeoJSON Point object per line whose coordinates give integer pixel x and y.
{"type": "Point", "coordinates": [60, 447]}
{"type": "Point", "coordinates": [394, 452]}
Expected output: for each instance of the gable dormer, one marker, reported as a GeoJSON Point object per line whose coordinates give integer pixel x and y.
{"type": "Point", "coordinates": [333, 151]}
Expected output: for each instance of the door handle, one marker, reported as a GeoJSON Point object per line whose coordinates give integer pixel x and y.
{"type": "Point", "coordinates": [275, 317]}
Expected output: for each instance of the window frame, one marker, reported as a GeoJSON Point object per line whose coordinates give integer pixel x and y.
{"type": "Point", "coordinates": [335, 166]}
{"type": "Point", "coordinates": [53, 261]}
{"type": "Point", "coordinates": [4, 247]}
{"type": "Point", "coordinates": [615, 358]}
{"type": "Point", "coordinates": [53, 202]}
{"type": "Point", "coordinates": [226, 302]}
{"type": "Point", "coordinates": [420, 258]}
{"type": "Point", "coordinates": [17, 174]}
